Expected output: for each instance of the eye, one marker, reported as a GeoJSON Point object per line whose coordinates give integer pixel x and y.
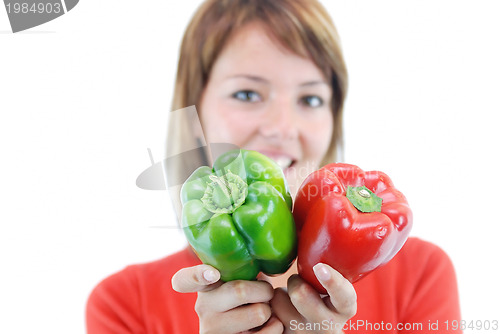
{"type": "Point", "coordinates": [247, 96]}
{"type": "Point", "coordinates": [312, 101]}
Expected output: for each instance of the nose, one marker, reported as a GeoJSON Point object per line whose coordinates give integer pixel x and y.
{"type": "Point", "coordinates": [280, 121]}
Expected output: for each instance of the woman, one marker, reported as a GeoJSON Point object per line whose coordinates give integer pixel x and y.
{"type": "Point", "coordinates": [269, 76]}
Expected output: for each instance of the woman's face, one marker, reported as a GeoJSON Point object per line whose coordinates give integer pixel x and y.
{"type": "Point", "coordinates": [262, 97]}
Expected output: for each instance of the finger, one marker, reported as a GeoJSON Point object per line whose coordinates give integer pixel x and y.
{"type": "Point", "coordinates": [283, 307]}
{"type": "Point", "coordinates": [198, 278]}
{"type": "Point", "coordinates": [273, 326]}
{"type": "Point", "coordinates": [235, 293]}
{"type": "Point", "coordinates": [307, 300]}
{"type": "Point", "coordinates": [342, 294]}
{"type": "Point", "coordinates": [240, 319]}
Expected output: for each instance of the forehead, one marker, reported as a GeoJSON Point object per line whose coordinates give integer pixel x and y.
{"type": "Point", "coordinates": [254, 48]}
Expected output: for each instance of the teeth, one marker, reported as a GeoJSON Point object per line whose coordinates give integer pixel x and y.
{"type": "Point", "coordinates": [283, 162]}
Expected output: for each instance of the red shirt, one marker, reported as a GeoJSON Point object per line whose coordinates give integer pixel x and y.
{"type": "Point", "coordinates": [416, 292]}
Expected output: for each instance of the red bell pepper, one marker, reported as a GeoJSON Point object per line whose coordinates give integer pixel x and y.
{"type": "Point", "coordinates": [352, 220]}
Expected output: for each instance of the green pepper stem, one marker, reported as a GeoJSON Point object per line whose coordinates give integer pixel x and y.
{"type": "Point", "coordinates": [225, 193]}
{"type": "Point", "coordinates": [223, 185]}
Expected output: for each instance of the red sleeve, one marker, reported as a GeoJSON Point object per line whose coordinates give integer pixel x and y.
{"type": "Point", "coordinates": [434, 302]}
{"type": "Point", "coordinates": [140, 299]}
{"type": "Point", "coordinates": [114, 305]}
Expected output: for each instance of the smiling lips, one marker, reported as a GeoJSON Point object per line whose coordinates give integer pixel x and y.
{"type": "Point", "coordinates": [283, 162]}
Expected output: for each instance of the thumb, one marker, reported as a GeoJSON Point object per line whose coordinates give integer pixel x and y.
{"type": "Point", "coordinates": [194, 279]}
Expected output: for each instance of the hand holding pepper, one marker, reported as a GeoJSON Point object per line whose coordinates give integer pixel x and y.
{"type": "Point", "coordinates": [240, 306]}
{"type": "Point", "coordinates": [228, 308]}
{"type": "Point", "coordinates": [301, 307]}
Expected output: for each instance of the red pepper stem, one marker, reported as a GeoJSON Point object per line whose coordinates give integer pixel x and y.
{"type": "Point", "coordinates": [364, 199]}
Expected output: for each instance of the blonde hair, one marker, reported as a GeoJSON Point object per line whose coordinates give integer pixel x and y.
{"type": "Point", "coordinates": [302, 26]}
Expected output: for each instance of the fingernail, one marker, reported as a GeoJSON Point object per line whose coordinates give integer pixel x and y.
{"type": "Point", "coordinates": [210, 276]}
{"type": "Point", "coordinates": [321, 272]}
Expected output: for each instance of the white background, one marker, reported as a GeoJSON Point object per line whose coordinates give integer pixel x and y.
{"type": "Point", "coordinates": [84, 96]}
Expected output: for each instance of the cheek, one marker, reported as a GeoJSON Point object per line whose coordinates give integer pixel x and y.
{"type": "Point", "coordinates": [318, 138]}
{"type": "Point", "coordinates": [223, 125]}
{"type": "Point", "coordinates": [236, 130]}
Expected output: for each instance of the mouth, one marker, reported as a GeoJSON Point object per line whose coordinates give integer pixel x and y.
{"type": "Point", "coordinates": [284, 162]}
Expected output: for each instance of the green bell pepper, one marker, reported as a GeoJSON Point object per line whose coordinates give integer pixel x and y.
{"type": "Point", "coordinates": [237, 216]}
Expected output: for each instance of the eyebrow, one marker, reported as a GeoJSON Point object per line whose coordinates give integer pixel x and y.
{"type": "Point", "coordinates": [262, 80]}
{"type": "Point", "coordinates": [312, 83]}
{"type": "Point", "coordinates": [249, 77]}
